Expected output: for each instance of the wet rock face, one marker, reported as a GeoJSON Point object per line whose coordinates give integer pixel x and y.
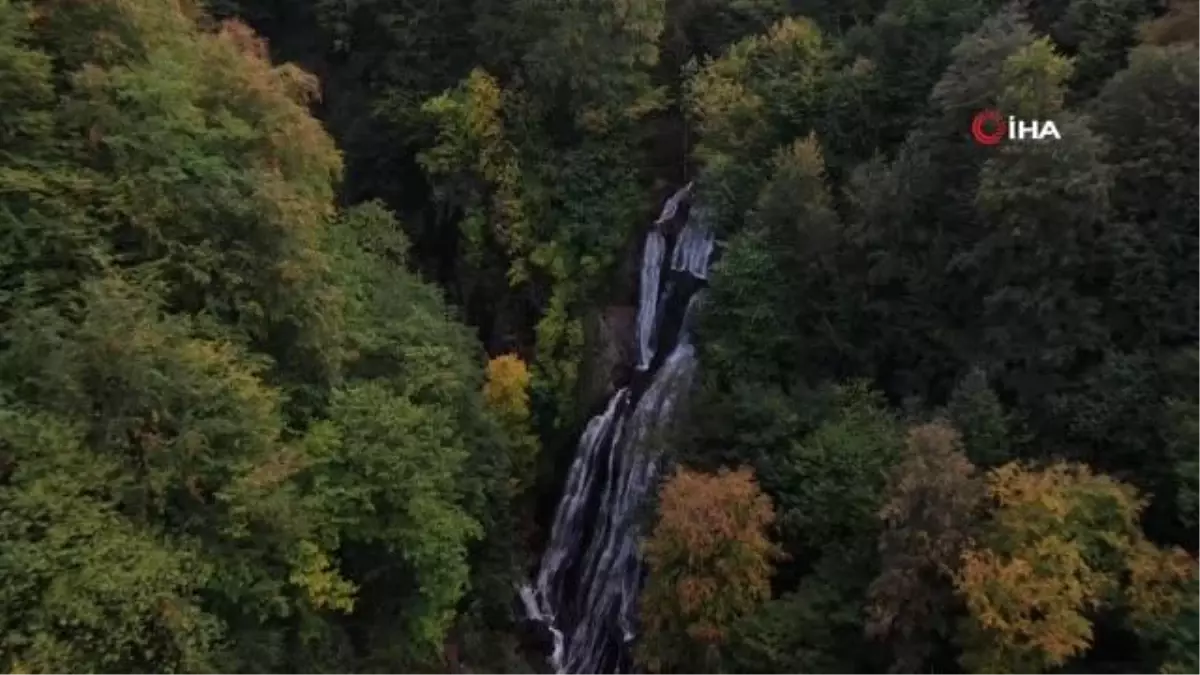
{"type": "Point", "coordinates": [536, 641]}
{"type": "Point", "coordinates": [609, 353]}
{"type": "Point", "coordinates": [617, 340]}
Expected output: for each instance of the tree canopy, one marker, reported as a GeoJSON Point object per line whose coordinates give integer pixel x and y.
{"type": "Point", "coordinates": [304, 305]}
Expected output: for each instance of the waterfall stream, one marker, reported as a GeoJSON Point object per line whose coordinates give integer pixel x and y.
{"type": "Point", "coordinates": [586, 588]}
{"type": "Point", "coordinates": [652, 257]}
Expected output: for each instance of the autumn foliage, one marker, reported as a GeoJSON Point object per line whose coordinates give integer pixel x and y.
{"type": "Point", "coordinates": [710, 563]}
{"type": "Point", "coordinates": [240, 433]}
{"type": "Point", "coordinates": [1063, 544]}
{"type": "Point", "coordinates": [507, 387]}
{"type": "Point", "coordinates": [506, 393]}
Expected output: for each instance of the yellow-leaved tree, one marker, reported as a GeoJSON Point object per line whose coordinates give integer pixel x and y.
{"type": "Point", "coordinates": [506, 393]}
{"type": "Point", "coordinates": [1063, 544]}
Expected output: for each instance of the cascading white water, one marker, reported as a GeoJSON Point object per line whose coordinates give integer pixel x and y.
{"type": "Point", "coordinates": [671, 207]}
{"type": "Point", "coordinates": [652, 258]}
{"type": "Point", "coordinates": [581, 478]}
{"type": "Point", "coordinates": [587, 586]}
{"type": "Point", "coordinates": [695, 245]}
{"type": "Point", "coordinates": [612, 566]}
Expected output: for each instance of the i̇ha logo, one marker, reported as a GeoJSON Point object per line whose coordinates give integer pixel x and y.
{"type": "Point", "coordinates": [990, 127]}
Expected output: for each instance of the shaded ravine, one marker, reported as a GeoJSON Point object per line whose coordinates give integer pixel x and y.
{"type": "Point", "coordinates": [586, 588]}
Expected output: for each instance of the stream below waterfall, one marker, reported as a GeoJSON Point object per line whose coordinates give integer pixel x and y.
{"type": "Point", "coordinates": [586, 588]}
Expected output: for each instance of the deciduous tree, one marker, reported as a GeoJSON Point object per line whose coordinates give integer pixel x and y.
{"type": "Point", "coordinates": [506, 392]}
{"type": "Point", "coordinates": [709, 561]}
{"type": "Point", "coordinates": [1063, 544]}
{"type": "Point", "coordinates": [931, 513]}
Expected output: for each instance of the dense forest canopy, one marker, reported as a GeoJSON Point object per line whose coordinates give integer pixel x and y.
{"type": "Point", "coordinates": [304, 303]}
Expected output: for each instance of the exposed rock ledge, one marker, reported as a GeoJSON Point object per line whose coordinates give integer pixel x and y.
{"type": "Point", "coordinates": [609, 344]}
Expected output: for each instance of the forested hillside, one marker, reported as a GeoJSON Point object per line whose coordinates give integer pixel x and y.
{"type": "Point", "coordinates": [305, 304]}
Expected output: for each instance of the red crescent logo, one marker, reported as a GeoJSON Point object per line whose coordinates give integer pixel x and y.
{"type": "Point", "coordinates": [985, 119]}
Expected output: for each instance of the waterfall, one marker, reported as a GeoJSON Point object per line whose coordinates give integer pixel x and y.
{"type": "Point", "coordinates": [671, 207]}
{"type": "Point", "coordinates": [652, 257]}
{"type": "Point", "coordinates": [695, 245]}
{"type": "Point", "coordinates": [586, 589]}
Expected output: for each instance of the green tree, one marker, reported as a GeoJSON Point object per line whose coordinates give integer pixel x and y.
{"type": "Point", "coordinates": [907, 69]}
{"type": "Point", "coordinates": [539, 172]}
{"type": "Point", "coordinates": [180, 292]}
{"type": "Point", "coordinates": [828, 485]}
{"type": "Point", "coordinates": [789, 246]}
{"type": "Point", "coordinates": [1039, 314]}
{"type": "Point", "coordinates": [1100, 33]}
{"type": "Point", "coordinates": [85, 588]}
{"type": "Point", "coordinates": [185, 154]}
{"type": "Point", "coordinates": [426, 474]}
{"type": "Point", "coordinates": [386, 471]}
{"type": "Point", "coordinates": [817, 628]}
{"type": "Point", "coordinates": [913, 286]}
{"type": "Point", "coordinates": [987, 429]}
{"type": "Point", "coordinates": [193, 437]}
{"type": "Point", "coordinates": [696, 29]}
{"type": "Point", "coordinates": [1151, 151]}
{"type": "Point", "coordinates": [598, 54]}
{"type": "Point", "coordinates": [765, 91]}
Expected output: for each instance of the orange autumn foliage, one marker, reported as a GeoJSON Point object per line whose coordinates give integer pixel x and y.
{"type": "Point", "coordinates": [710, 563]}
